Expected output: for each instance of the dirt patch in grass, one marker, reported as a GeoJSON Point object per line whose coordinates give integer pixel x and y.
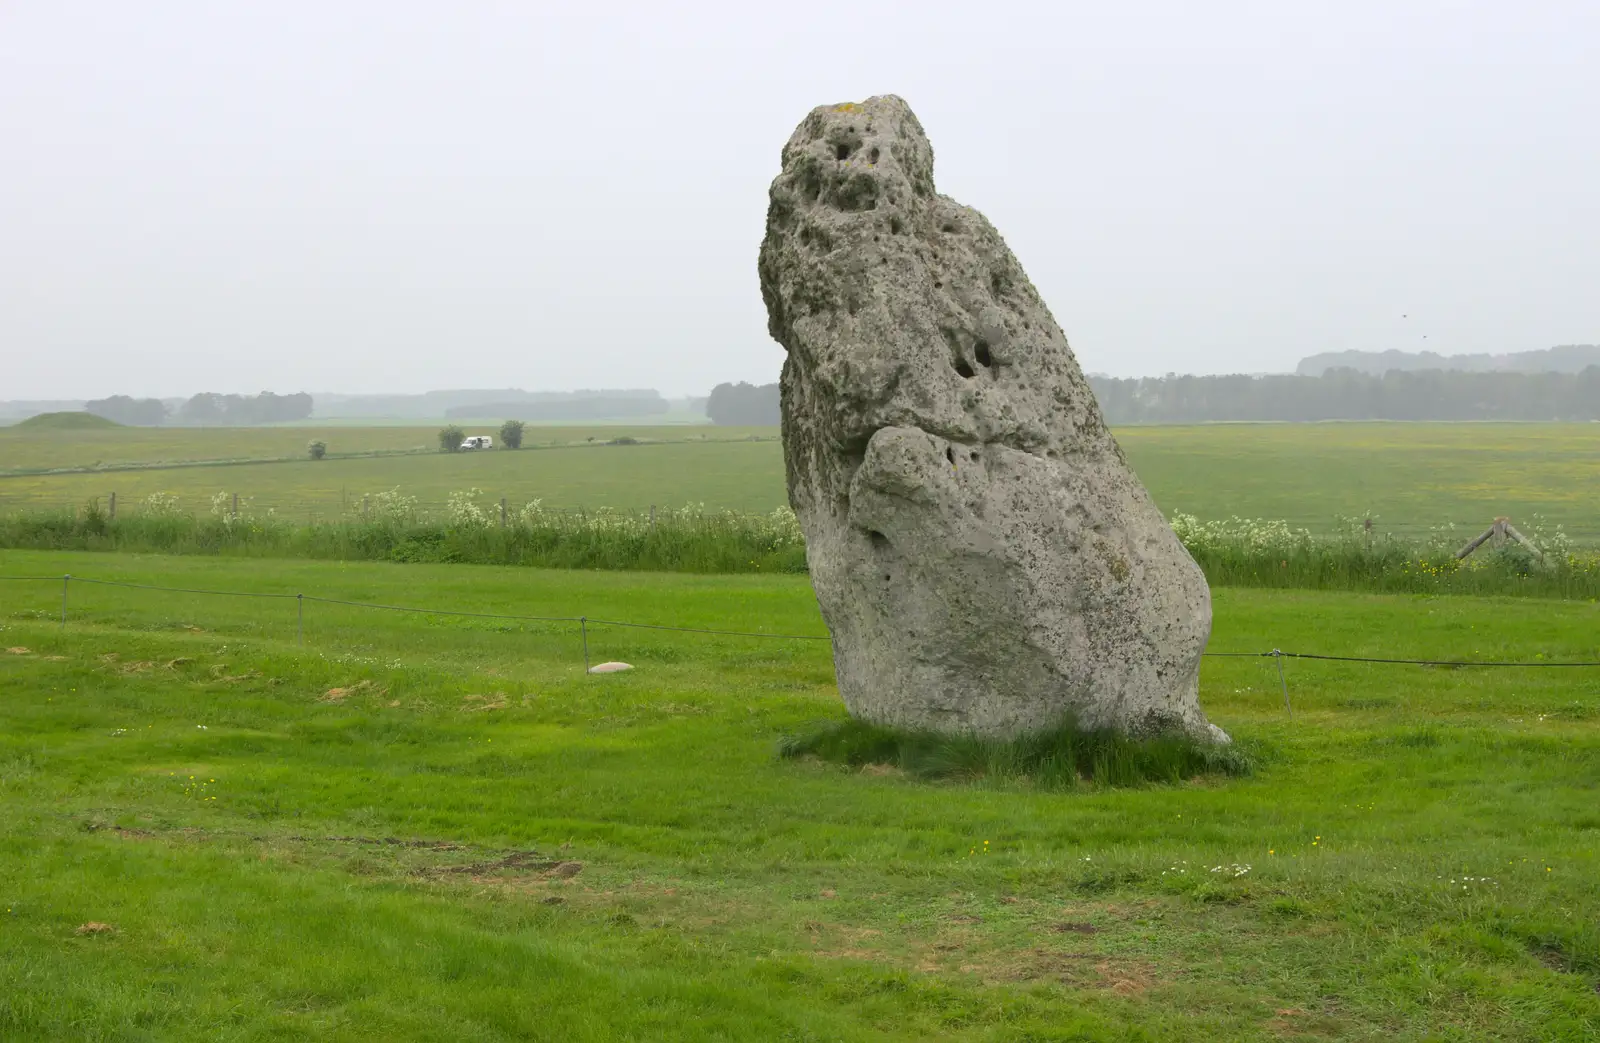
{"type": "Point", "coordinates": [429, 845]}
{"type": "Point", "coordinates": [339, 695]}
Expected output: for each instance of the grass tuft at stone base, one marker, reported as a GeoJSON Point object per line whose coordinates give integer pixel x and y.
{"type": "Point", "coordinates": [1066, 757]}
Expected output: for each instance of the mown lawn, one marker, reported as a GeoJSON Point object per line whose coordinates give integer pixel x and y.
{"type": "Point", "coordinates": [377, 835]}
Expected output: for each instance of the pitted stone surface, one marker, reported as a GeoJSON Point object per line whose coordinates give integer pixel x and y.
{"type": "Point", "coordinates": [984, 557]}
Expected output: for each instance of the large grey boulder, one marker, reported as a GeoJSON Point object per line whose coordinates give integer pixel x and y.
{"type": "Point", "coordinates": [985, 559]}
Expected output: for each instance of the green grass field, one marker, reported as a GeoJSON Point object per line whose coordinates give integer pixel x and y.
{"type": "Point", "coordinates": [26, 451]}
{"type": "Point", "coordinates": [378, 835]}
{"type": "Point", "coordinates": [1412, 476]}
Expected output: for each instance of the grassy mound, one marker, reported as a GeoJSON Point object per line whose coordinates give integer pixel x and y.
{"type": "Point", "coordinates": [1064, 758]}
{"type": "Point", "coordinates": [67, 421]}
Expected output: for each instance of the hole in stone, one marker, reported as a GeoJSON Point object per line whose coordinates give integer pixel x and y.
{"type": "Point", "coordinates": [938, 284]}
{"type": "Point", "coordinates": [974, 456]}
{"type": "Point", "coordinates": [872, 157]}
{"type": "Point", "coordinates": [841, 152]}
{"type": "Point", "coordinates": [964, 369]}
{"type": "Point", "coordinates": [879, 540]}
{"type": "Point", "coordinates": [896, 225]}
{"type": "Point", "coordinates": [950, 454]}
{"type": "Point", "coordinates": [981, 352]}
{"type": "Point", "coordinates": [886, 577]}
{"type": "Point", "coordinates": [948, 227]}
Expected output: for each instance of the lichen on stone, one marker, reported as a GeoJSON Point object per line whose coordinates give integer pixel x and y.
{"type": "Point", "coordinates": [985, 559]}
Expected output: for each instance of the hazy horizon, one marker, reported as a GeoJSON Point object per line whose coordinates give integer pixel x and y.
{"type": "Point", "coordinates": [401, 198]}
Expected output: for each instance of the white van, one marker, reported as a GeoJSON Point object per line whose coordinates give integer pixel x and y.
{"type": "Point", "coordinates": [478, 442]}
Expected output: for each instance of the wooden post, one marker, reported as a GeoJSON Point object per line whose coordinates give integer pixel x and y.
{"type": "Point", "coordinates": [502, 512]}
{"type": "Point", "coordinates": [236, 506]}
{"type": "Point", "coordinates": [1510, 530]}
{"type": "Point", "coordinates": [1475, 544]}
{"type": "Point", "coordinates": [652, 517]}
{"type": "Point", "coordinates": [1500, 531]}
{"type": "Point", "coordinates": [364, 514]}
{"type": "Point", "coordinates": [113, 511]}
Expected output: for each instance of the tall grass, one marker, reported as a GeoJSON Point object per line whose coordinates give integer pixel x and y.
{"type": "Point", "coordinates": [1238, 552]}
{"type": "Point", "coordinates": [1063, 758]}
{"type": "Point", "coordinates": [1243, 552]}
{"type": "Point", "coordinates": [690, 539]}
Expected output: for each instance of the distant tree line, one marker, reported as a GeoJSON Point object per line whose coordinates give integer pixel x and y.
{"type": "Point", "coordinates": [743, 404]}
{"type": "Point", "coordinates": [1568, 358]}
{"type": "Point", "coordinates": [139, 412]}
{"type": "Point", "coordinates": [1339, 394]}
{"type": "Point", "coordinates": [1346, 394]}
{"type": "Point", "coordinates": [206, 409]}
{"type": "Point", "coordinates": [578, 406]}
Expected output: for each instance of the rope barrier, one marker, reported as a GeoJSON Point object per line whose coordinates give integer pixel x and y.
{"type": "Point", "coordinates": [439, 611]}
{"type": "Point", "coordinates": [422, 611]}
{"type": "Point", "coordinates": [724, 633]}
{"type": "Point", "coordinates": [1419, 662]}
{"type": "Point", "coordinates": [587, 621]}
{"type": "Point", "coordinates": [179, 590]}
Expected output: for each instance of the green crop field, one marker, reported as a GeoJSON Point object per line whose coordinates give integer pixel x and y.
{"type": "Point", "coordinates": [26, 451]}
{"type": "Point", "coordinates": [1411, 476]}
{"type": "Point", "coordinates": [431, 827]}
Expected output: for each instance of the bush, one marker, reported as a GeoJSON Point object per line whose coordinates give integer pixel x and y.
{"type": "Point", "coordinates": [511, 434]}
{"type": "Point", "coordinates": [316, 449]}
{"type": "Point", "coordinates": [450, 438]}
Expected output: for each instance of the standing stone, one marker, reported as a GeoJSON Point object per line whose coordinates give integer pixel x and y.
{"type": "Point", "coordinates": [985, 559]}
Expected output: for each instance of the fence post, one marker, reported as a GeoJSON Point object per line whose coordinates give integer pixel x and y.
{"type": "Point", "coordinates": [583, 624]}
{"type": "Point", "coordinates": [113, 512]}
{"type": "Point", "coordinates": [64, 581]}
{"type": "Point", "coordinates": [300, 616]}
{"type": "Point", "coordinates": [1285, 682]}
{"type": "Point", "coordinates": [236, 506]}
{"type": "Point", "coordinates": [502, 512]}
{"type": "Point", "coordinates": [652, 517]}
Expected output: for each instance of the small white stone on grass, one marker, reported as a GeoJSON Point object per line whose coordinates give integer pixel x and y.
{"type": "Point", "coordinates": [609, 668]}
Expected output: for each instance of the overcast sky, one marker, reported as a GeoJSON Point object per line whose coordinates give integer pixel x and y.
{"type": "Point", "coordinates": [401, 196]}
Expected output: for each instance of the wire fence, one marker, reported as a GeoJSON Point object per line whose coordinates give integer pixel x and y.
{"type": "Point", "coordinates": [584, 622]}
{"type": "Point", "coordinates": [301, 600]}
